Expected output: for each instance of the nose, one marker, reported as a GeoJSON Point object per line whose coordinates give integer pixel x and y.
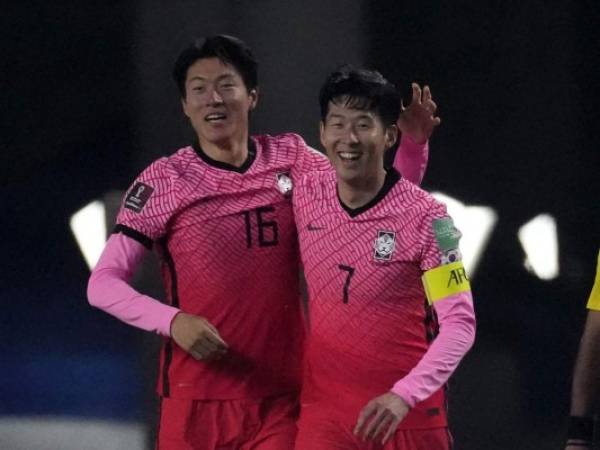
{"type": "Point", "coordinates": [350, 136]}
{"type": "Point", "coordinates": [214, 97]}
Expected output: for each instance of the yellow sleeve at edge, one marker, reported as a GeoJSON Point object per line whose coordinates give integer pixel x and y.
{"type": "Point", "coordinates": [594, 300]}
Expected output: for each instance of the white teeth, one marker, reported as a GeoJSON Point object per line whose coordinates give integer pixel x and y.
{"type": "Point", "coordinates": [349, 156]}
{"type": "Point", "coordinates": [211, 117]}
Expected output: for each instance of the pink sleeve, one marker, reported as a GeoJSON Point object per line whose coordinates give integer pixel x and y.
{"type": "Point", "coordinates": [411, 159]}
{"type": "Point", "coordinates": [109, 290]}
{"type": "Point", "coordinates": [457, 333]}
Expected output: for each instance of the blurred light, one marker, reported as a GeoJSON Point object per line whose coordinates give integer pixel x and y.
{"type": "Point", "coordinates": [89, 227]}
{"type": "Point", "coordinates": [475, 223]}
{"type": "Point", "coordinates": [540, 242]}
{"type": "Point", "coordinates": [70, 433]}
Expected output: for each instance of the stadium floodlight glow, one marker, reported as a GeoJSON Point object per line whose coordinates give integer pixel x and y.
{"type": "Point", "coordinates": [540, 242]}
{"type": "Point", "coordinates": [88, 225]}
{"type": "Point", "coordinates": [475, 223]}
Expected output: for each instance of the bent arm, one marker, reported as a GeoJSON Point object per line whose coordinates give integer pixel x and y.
{"type": "Point", "coordinates": [456, 317]}
{"type": "Point", "coordinates": [109, 289]}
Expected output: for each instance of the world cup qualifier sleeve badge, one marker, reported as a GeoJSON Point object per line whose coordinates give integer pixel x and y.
{"type": "Point", "coordinates": [138, 196]}
{"type": "Point", "coordinates": [447, 237]}
{"type": "Point", "coordinates": [384, 245]}
{"type": "Point", "coordinates": [284, 183]}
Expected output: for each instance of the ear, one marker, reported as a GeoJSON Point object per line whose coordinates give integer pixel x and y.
{"type": "Point", "coordinates": [253, 94]}
{"type": "Point", "coordinates": [184, 107]}
{"type": "Point", "coordinates": [322, 133]}
{"type": "Point", "coordinates": [391, 135]}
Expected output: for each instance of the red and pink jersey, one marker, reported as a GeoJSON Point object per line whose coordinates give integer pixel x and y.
{"type": "Point", "coordinates": [370, 323]}
{"type": "Point", "coordinates": [229, 250]}
{"type": "Point", "coordinates": [228, 247]}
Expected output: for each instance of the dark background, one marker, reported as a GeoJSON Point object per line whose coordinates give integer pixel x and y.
{"type": "Point", "coordinates": [87, 102]}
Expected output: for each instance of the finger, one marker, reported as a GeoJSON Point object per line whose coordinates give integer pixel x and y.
{"type": "Point", "coordinates": [373, 424]}
{"type": "Point", "coordinates": [426, 94]}
{"type": "Point", "coordinates": [416, 91]}
{"type": "Point", "coordinates": [383, 425]}
{"type": "Point", "coordinates": [200, 350]}
{"type": "Point", "coordinates": [430, 106]}
{"type": "Point", "coordinates": [213, 336]}
{"type": "Point", "coordinates": [196, 355]}
{"type": "Point", "coordinates": [402, 107]}
{"type": "Point", "coordinates": [206, 351]}
{"type": "Point", "coordinates": [436, 121]}
{"type": "Point", "coordinates": [207, 347]}
{"type": "Point", "coordinates": [363, 416]}
{"type": "Point", "coordinates": [391, 430]}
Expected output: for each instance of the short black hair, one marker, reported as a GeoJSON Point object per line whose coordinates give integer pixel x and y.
{"type": "Point", "coordinates": [362, 89]}
{"type": "Point", "coordinates": [228, 49]}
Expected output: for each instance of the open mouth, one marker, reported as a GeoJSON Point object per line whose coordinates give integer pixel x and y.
{"type": "Point", "coordinates": [215, 117]}
{"type": "Point", "coordinates": [349, 156]}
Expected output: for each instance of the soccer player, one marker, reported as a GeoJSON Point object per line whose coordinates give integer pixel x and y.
{"type": "Point", "coordinates": [586, 378]}
{"type": "Point", "coordinates": [381, 260]}
{"type": "Point", "coordinates": [219, 213]}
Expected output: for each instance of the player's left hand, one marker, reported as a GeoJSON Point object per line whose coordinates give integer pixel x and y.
{"type": "Point", "coordinates": [385, 413]}
{"type": "Point", "coordinates": [418, 119]}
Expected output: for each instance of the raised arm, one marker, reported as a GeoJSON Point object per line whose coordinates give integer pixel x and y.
{"type": "Point", "coordinates": [416, 124]}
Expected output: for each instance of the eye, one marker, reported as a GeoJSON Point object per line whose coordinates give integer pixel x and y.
{"type": "Point", "coordinates": [198, 89]}
{"type": "Point", "coordinates": [364, 126]}
{"type": "Point", "coordinates": [336, 125]}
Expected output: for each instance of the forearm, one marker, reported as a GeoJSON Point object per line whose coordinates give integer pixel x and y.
{"type": "Point", "coordinates": [109, 289]}
{"type": "Point", "coordinates": [456, 336]}
{"type": "Point", "coordinates": [411, 159]}
{"type": "Point", "coordinates": [586, 376]}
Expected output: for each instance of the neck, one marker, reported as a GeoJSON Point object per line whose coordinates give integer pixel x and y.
{"type": "Point", "coordinates": [232, 151]}
{"type": "Point", "coordinates": [357, 193]}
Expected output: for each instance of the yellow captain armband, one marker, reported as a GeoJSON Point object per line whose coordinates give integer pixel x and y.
{"type": "Point", "coordinates": [594, 300]}
{"type": "Point", "coordinates": [445, 280]}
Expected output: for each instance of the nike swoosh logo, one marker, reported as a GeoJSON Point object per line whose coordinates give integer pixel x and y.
{"type": "Point", "coordinates": [312, 227]}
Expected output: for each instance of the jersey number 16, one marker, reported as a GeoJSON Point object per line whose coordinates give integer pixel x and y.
{"type": "Point", "coordinates": [268, 233]}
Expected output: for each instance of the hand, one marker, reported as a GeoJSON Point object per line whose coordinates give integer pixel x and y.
{"type": "Point", "coordinates": [418, 119]}
{"type": "Point", "coordinates": [386, 412]}
{"type": "Point", "coordinates": [197, 337]}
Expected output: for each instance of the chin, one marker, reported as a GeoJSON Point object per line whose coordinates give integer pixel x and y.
{"type": "Point", "coordinates": [217, 138]}
{"type": "Point", "coordinates": [347, 175]}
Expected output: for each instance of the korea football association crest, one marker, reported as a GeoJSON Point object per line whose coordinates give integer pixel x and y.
{"type": "Point", "coordinates": [385, 245]}
{"type": "Point", "coordinates": [284, 183]}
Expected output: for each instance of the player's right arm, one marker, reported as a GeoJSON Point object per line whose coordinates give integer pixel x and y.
{"type": "Point", "coordinates": [145, 211]}
{"type": "Point", "coordinates": [586, 376]}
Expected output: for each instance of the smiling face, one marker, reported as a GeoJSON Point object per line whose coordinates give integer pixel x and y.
{"type": "Point", "coordinates": [217, 102]}
{"type": "Point", "coordinates": [355, 141]}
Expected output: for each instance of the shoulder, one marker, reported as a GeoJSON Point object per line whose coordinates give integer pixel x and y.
{"type": "Point", "coordinates": [412, 196]}
{"type": "Point", "coordinates": [166, 174]}
{"type": "Point", "coordinates": [317, 184]}
{"type": "Point", "coordinates": [171, 166]}
{"type": "Point", "coordinates": [282, 143]}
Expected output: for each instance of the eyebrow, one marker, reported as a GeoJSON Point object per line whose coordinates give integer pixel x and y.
{"type": "Point", "coordinates": [340, 116]}
{"type": "Point", "coordinates": [219, 78]}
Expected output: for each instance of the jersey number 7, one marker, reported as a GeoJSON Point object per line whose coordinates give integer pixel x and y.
{"type": "Point", "coordinates": [350, 271]}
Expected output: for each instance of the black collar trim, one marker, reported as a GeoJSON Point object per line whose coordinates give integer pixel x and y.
{"type": "Point", "coordinates": [391, 178]}
{"type": "Point", "coordinates": [226, 166]}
